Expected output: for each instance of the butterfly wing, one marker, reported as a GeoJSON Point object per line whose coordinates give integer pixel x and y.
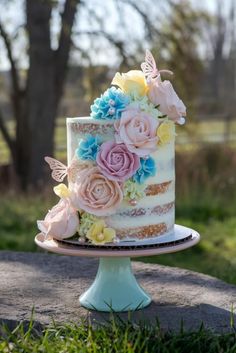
{"type": "Point", "coordinates": [149, 67]}
{"type": "Point", "coordinates": [59, 170]}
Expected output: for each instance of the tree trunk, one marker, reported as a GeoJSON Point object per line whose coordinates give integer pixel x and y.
{"type": "Point", "coordinates": [35, 108]}
{"type": "Point", "coordinates": [40, 95]}
{"type": "Point", "coordinates": [46, 77]}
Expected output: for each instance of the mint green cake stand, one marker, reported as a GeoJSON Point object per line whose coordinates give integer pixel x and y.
{"type": "Point", "coordinates": [115, 287]}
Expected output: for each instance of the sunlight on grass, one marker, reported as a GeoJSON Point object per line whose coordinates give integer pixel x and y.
{"type": "Point", "coordinates": [116, 335]}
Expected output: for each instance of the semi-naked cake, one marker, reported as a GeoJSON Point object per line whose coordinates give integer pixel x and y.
{"type": "Point", "coordinates": [121, 171]}
{"type": "Point", "coordinates": [154, 213]}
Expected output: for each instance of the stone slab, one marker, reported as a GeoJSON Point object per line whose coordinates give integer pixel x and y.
{"type": "Point", "coordinates": [52, 285]}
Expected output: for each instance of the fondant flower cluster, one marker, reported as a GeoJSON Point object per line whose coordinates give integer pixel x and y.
{"type": "Point", "coordinates": [143, 110]}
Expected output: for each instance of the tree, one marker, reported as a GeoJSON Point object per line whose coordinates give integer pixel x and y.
{"type": "Point", "coordinates": [35, 105]}
{"type": "Point", "coordinates": [220, 42]}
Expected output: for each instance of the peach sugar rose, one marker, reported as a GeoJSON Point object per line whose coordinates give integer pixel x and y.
{"type": "Point", "coordinates": [95, 194]}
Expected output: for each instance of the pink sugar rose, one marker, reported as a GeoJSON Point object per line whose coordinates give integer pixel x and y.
{"type": "Point", "coordinates": [137, 129]}
{"type": "Point", "coordinates": [95, 194]}
{"type": "Point", "coordinates": [163, 94]}
{"type": "Point", "coordinates": [61, 221]}
{"type": "Point", "coordinates": [116, 162]}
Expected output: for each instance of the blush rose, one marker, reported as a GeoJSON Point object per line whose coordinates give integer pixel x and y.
{"type": "Point", "coordinates": [137, 130]}
{"type": "Point", "coordinates": [163, 94]}
{"type": "Point", "coordinates": [60, 222]}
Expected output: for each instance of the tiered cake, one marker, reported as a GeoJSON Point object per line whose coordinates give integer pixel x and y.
{"type": "Point", "coordinates": [121, 174]}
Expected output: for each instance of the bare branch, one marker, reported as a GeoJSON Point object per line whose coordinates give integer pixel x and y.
{"type": "Point", "coordinates": [62, 53]}
{"type": "Point", "coordinates": [150, 29]}
{"type": "Point", "coordinates": [14, 72]}
{"type": "Point", "coordinates": [116, 43]}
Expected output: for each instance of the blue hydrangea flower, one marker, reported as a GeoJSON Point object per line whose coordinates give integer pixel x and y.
{"type": "Point", "coordinates": [147, 168]}
{"type": "Point", "coordinates": [110, 105]}
{"type": "Point", "coordinates": [88, 147]}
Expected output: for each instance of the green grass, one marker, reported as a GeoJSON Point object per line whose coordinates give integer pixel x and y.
{"type": "Point", "coordinates": [115, 337]}
{"type": "Point", "coordinates": [18, 215]}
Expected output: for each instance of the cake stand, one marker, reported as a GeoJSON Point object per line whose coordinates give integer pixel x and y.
{"type": "Point", "coordinates": [115, 287]}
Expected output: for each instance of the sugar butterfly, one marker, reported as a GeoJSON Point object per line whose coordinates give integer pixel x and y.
{"type": "Point", "coordinates": [59, 170]}
{"type": "Point", "coordinates": [150, 69]}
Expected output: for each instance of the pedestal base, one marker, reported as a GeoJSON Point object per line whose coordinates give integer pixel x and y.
{"type": "Point", "coordinates": [115, 288]}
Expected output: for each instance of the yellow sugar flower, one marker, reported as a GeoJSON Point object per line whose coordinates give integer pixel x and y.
{"type": "Point", "coordinates": [100, 234]}
{"type": "Point", "coordinates": [133, 82]}
{"type": "Point", "coordinates": [166, 132]}
{"type": "Point", "coordinates": [62, 191]}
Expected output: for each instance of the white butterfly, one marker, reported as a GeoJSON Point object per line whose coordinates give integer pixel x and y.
{"type": "Point", "coordinates": [59, 170]}
{"type": "Point", "coordinates": [150, 69]}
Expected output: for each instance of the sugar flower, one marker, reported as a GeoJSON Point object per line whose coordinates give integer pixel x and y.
{"type": "Point", "coordinates": [166, 132]}
{"type": "Point", "coordinates": [61, 190]}
{"type": "Point", "coordinates": [137, 130]}
{"type": "Point", "coordinates": [94, 193]}
{"type": "Point", "coordinates": [163, 94]}
{"type": "Point", "coordinates": [110, 105]}
{"type": "Point", "coordinates": [133, 190]}
{"type": "Point", "coordinates": [133, 83]}
{"type": "Point", "coordinates": [146, 170]}
{"type": "Point", "coordinates": [88, 147]}
{"type": "Point", "coordinates": [86, 222]}
{"type": "Point", "coordinates": [99, 234]}
{"type": "Point", "coordinates": [116, 162]}
{"type": "Point", "coordinates": [61, 221]}
{"type": "Point", "coordinates": [146, 106]}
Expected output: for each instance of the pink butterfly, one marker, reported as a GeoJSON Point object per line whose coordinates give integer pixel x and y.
{"type": "Point", "coordinates": [150, 69]}
{"type": "Point", "coordinates": [59, 170]}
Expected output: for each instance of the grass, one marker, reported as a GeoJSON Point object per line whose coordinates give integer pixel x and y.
{"type": "Point", "coordinates": [114, 337]}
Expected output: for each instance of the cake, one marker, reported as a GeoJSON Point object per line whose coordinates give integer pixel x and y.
{"type": "Point", "coordinates": [121, 168]}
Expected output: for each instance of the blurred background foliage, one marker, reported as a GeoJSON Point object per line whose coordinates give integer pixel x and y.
{"type": "Point", "coordinates": [57, 56]}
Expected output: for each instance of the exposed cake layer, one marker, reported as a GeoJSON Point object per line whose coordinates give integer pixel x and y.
{"type": "Point", "coordinates": [149, 231]}
{"type": "Point", "coordinates": [154, 214]}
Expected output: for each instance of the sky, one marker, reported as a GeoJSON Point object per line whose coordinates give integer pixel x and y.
{"type": "Point", "coordinates": [13, 17]}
